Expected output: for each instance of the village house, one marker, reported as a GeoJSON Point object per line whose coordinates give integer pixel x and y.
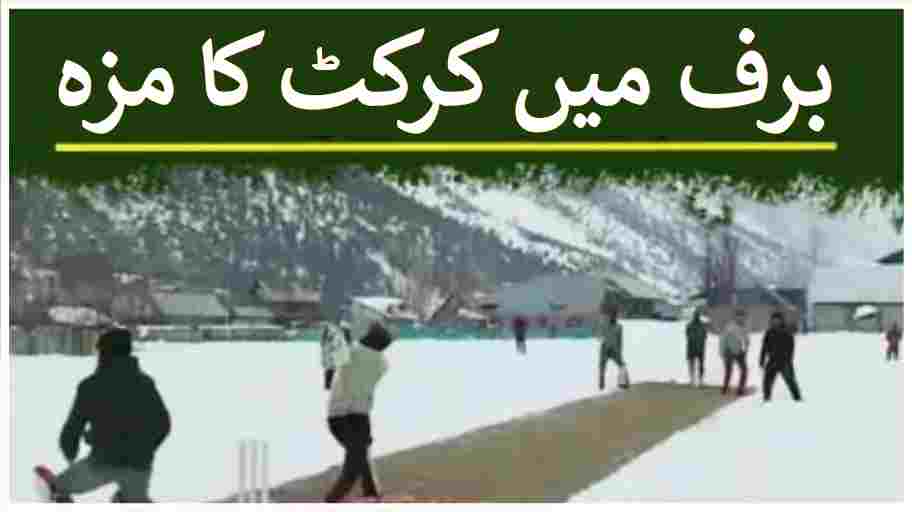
{"type": "Point", "coordinates": [86, 280]}
{"type": "Point", "coordinates": [189, 308]}
{"type": "Point", "coordinates": [32, 291]}
{"type": "Point", "coordinates": [457, 311]}
{"type": "Point", "coordinates": [640, 300]}
{"type": "Point", "coordinates": [133, 303]}
{"type": "Point", "coordinates": [392, 309]}
{"type": "Point", "coordinates": [252, 315]}
{"type": "Point", "coordinates": [290, 305]}
{"type": "Point", "coordinates": [759, 303]}
{"type": "Point", "coordinates": [573, 300]}
{"type": "Point", "coordinates": [839, 297]}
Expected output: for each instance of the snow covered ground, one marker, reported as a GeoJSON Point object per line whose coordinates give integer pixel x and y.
{"type": "Point", "coordinates": [845, 442]}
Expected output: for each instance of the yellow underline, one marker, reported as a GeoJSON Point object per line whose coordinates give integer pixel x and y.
{"type": "Point", "coordinates": [443, 147]}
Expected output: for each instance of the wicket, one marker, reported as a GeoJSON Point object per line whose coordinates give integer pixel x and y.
{"type": "Point", "coordinates": [253, 486]}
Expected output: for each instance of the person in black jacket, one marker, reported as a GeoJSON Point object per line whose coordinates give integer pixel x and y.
{"type": "Point", "coordinates": [128, 423]}
{"type": "Point", "coordinates": [696, 348]}
{"type": "Point", "coordinates": [777, 357]}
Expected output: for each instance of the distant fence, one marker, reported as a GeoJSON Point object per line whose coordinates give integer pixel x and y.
{"type": "Point", "coordinates": [198, 334]}
{"type": "Point", "coordinates": [464, 334]}
{"type": "Point", "coordinates": [53, 339]}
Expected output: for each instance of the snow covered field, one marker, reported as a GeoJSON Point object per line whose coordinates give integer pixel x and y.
{"type": "Point", "coordinates": [845, 442]}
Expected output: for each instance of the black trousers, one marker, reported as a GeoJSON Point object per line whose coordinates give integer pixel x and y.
{"type": "Point", "coordinates": [521, 343]}
{"type": "Point", "coordinates": [787, 370]}
{"type": "Point", "coordinates": [697, 360]}
{"type": "Point", "coordinates": [892, 352]}
{"type": "Point", "coordinates": [730, 361]}
{"type": "Point", "coordinates": [328, 378]}
{"type": "Point", "coordinates": [353, 432]}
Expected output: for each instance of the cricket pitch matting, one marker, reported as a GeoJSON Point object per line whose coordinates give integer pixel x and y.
{"type": "Point", "coordinates": [544, 457]}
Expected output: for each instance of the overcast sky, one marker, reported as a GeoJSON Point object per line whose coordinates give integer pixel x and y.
{"type": "Point", "coordinates": [850, 237]}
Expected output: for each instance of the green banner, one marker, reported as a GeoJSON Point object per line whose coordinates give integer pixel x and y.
{"type": "Point", "coordinates": [760, 95]}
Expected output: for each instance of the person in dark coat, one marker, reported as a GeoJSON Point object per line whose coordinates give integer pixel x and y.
{"type": "Point", "coordinates": [610, 335]}
{"type": "Point", "coordinates": [128, 423]}
{"type": "Point", "coordinates": [777, 357]}
{"type": "Point", "coordinates": [520, 327]}
{"type": "Point", "coordinates": [894, 336]}
{"type": "Point", "coordinates": [696, 348]}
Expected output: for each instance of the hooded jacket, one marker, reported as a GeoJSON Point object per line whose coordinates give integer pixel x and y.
{"type": "Point", "coordinates": [778, 347]}
{"type": "Point", "coordinates": [126, 414]}
{"type": "Point", "coordinates": [735, 340]}
{"type": "Point", "coordinates": [696, 336]}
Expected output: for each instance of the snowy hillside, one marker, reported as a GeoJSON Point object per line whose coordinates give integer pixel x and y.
{"type": "Point", "coordinates": [361, 235]}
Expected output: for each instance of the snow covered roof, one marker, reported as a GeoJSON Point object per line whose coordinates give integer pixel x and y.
{"type": "Point", "coordinates": [864, 312]}
{"type": "Point", "coordinates": [484, 299]}
{"type": "Point", "coordinates": [471, 315]}
{"type": "Point", "coordinates": [388, 306]}
{"type": "Point", "coordinates": [579, 293]}
{"type": "Point", "coordinates": [77, 316]}
{"type": "Point", "coordinates": [293, 293]}
{"type": "Point", "coordinates": [876, 284]}
{"type": "Point", "coordinates": [194, 304]}
{"type": "Point", "coordinates": [253, 312]}
{"type": "Point", "coordinates": [635, 287]}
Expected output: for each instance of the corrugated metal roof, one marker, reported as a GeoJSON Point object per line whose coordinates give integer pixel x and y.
{"type": "Point", "coordinates": [390, 307]}
{"type": "Point", "coordinates": [253, 312]}
{"type": "Point", "coordinates": [578, 292]}
{"type": "Point", "coordinates": [758, 296]}
{"type": "Point", "coordinates": [635, 287]}
{"type": "Point", "coordinates": [292, 293]}
{"type": "Point", "coordinates": [189, 304]}
{"type": "Point", "coordinates": [877, 284]}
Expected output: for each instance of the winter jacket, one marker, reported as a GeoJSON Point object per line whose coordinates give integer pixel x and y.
{"type": "Point", "coordinates": [520, 325]}
{"type": "Point", "coordinates": [126, 414]}
{"type": "Point", "coordinates": [696, 337]}
{"type": "Point", "coordinates": [334, 347]}
{"type": "Point", "coordinates": [355, 380]}
{"type": "Point", "coordinates": [610, 335]}
{"type": "Point", "coordinates": [778, 348]}
{"type": "Point", "coordinates": [735, 340]}
{"type": "Point", "coordinates": [354, 383]}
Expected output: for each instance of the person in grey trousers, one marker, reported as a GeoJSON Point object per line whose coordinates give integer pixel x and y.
{"type": "Point", "coordinates": [611, 345]}
{"type": "Point", "coordinates": [733, 348]}
{"type": "Point", "coordinates": [128, 421]}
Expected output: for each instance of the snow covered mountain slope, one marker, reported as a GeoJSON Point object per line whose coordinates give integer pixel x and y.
{"type": "Point", "coordinates": [362, 235]}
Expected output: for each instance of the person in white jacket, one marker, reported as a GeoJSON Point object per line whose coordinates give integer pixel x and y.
{"type": "Point", "coordinates": [351, 399]}
{"type": "Point", "coordinates": [733, 347]}
{"type": "Point", "coordinates": [335, 347]}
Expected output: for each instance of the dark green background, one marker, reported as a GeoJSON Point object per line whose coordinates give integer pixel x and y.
{"type": "Point", "coordinates": [861, 49]}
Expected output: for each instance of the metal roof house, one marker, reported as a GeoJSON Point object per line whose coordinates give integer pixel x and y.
{"type": "Point", "coordinates": [252, 315]}
{"type": "Point", "coordinates": [759, 303]}
{"type": "Point", "coordinates": [836, 294]}
{"type": "Point", "coordinates": [291, 304]}
{"type": "Point", "coordinates": [577, 297]}
{"type": "Point", "coordinates": [189, 308]}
